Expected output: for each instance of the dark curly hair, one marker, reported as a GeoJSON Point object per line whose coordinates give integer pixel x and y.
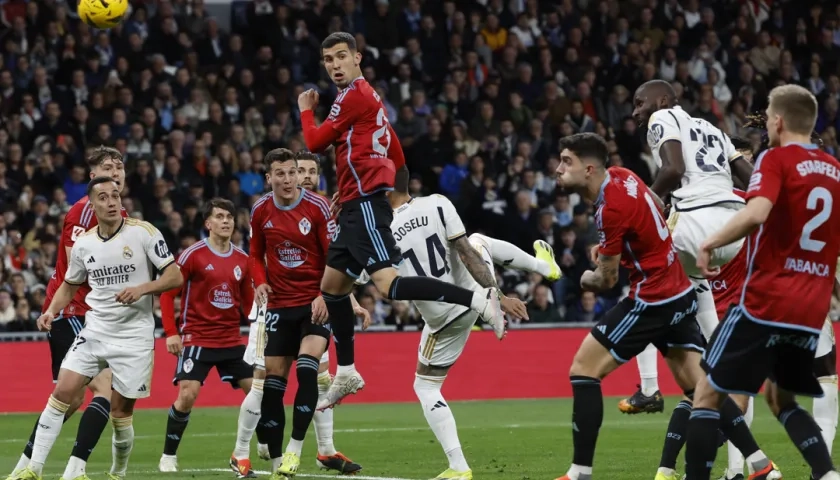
{"type": "Point", "coordinates": [758, 121]}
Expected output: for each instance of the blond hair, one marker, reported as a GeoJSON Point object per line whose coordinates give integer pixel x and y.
{"type": "Point", "coordinates": [797, 106]}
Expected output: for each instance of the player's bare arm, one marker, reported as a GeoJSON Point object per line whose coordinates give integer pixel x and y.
{"type": "Point", "coordinates": [63, 296]}
{"type": "Point", "coordinates": [360, 311]}
{"type": "Point", "coordinates": [673, 168]}
{"type": "Point", "coordinates": [744, 222]}
{"type": "Point", "coordinates": [604, 277]}
{"type": "Point", "coordinates": [742, 170]}
{"type": "Point", "coordinates": [170, 278]}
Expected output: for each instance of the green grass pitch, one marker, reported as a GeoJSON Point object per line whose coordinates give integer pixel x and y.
{"type": "Point", "coordinates": [510, 440]}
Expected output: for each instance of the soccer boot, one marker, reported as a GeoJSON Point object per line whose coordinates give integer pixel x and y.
{"type": "Point", "coordinates": [290, 465]}
{"type": "Point", "coordinates": [450, 474]}
{"type": "Point", "coordinates": [582, 476]}
{"type": "Point", "coordinates": [242, 468]}
{"type": "Point", "coordinates": [640, 403]}
{"type": "Point", "coordinates": [737, 476]}
{"type": "Point", "coordinates": [491, 312]}
{"type": "Point", "coordinates": [662, 476]}
{"type": "Point", "coordinates": [168, 463]}
{"type": "Point", "coordinates": [262, 452]}
{"type": "Point", "coordinates": [337, 462]}
{"type": "Point", "coordinates": [342, 385]}
{"type": "Point", "coordinates": [770, 472]}
{"type": "Point", "coordinates": [544, 252]}
{"type": "Point", "coordinates": [26, 474]}
{"type": "Point", "coordinates": [114, 476]}
{"type": "Point", "coordinates": [82, 477]}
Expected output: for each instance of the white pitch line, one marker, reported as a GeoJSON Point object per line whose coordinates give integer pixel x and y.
{"type": "Point", "coordinates": [262, 472]}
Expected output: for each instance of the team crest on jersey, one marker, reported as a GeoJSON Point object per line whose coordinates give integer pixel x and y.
{"type": "Point", "coordinates": [304, 226]}
{"type": "Point", "coordinates": [655, 133]}
{"type": "Point", "coordinates": [237, 273]}
{"type": "Point", "coordinates": [127, 253]}
{"type": "Point", "coordinates": [188, 365]}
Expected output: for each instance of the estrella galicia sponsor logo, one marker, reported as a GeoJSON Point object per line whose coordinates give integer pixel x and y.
{"type": "Point", "coordinates": [161, 249]}
{"type": "Point", "coordinates": [110, 275]}
{"type": "Point", "coordinates": [290, 255]}
{"type": "Point", "coordinates": [221, 297]}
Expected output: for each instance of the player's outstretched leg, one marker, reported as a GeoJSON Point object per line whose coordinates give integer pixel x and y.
{"type": "Point", "coordinates": [647, 398]}
{"type": "Point", "coordinates": [177, 421]}
{"type": "Point", "coordinates": [509, 255]}
{"type": "Point", "coordinates": [92, 424]}
{"type": "Point", "coordinates": [26, 456]}
{"type": "Point", "coordinates": [328, 457]}
{"type": "Point", "coordinates": [347, 380]}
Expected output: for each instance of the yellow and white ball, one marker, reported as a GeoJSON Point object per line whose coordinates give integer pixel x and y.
{"type": "Point", "coordinates": [102, 13]}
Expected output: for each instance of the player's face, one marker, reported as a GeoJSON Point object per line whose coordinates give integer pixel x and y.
{"type": "Point", "coordinates": [644, 105]}
{"type": "Point", "coordinates": [110, 168]}
{"type": "Point", "coordinates": [342, 64]}
{"type": "Point", "coordinates": [283, 179]}
{"type": "Point", "coordinates": [107, 202]}
{"type": "Point", "coordinates": [572, 172]}
{"type": "Point", "coordinates": [220, 223]}
{"type": "Point", "coordinates": [308, 174]}
{"type": "Point", "coordinates": [773, 126]}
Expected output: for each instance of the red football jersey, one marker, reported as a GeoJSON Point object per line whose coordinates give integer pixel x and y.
{"type": "Point", "coordinates": [792, 258]}
{"type": "Point", "coordinates": [631, 225]}
{"type": "Point", "coordinates": [289, 247]}
{"type": "Point", "coordinates": [79, 219]}
{"type": "Point", "coordinates": [367, 150]}
{"type": "Point", "coordinates": [726, 287]}
{"type": "Point", "coordinates": [216, 286]}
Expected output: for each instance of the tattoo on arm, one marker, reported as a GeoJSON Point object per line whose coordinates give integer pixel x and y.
{"type": "Point", "coordinates": [474, 263]}
{"type": "Point", "coordinates": [606, 275]}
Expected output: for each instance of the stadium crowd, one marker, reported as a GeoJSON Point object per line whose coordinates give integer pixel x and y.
{"type": "Point", "coordinates": [478, 92]}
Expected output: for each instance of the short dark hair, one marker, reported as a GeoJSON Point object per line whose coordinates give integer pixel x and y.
{"type": "Point", "coordinates": [281, 155]}
{"type": "Point", "coordinates": [337, 38]}
{"type": "Point", "coordinates": [101, 153]}
{"type": "Point", "coordinates": [741, 143]}
{"type": "Point", "coordinates": [302, 155]}
{"type": "Point", "coordinates": [586, 145]}
{"type": "Point", "coordinates": [220, 203]}
{"type": "Point", "coordinates": [401, 179]}
{"type": "Point", "coordinates": [98, 181]}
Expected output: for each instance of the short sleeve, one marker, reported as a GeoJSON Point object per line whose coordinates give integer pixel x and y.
{"type": "Point", "coordinates": [450, 219]}
{"type": "Point", "coordinates": [76, 271]}
{"type": "Point", "coordinates": [662, 127]}
{"type": "Point", "coordinates": [185, 260]}
{"type": "Point", "coordinates": [611, 225]}
{"type": "Point", "coordinates": [766, 180]}
{"type": "Point", "coordinates": [156, 249]}
{"type": "Point", "coordinates": [345, 110]}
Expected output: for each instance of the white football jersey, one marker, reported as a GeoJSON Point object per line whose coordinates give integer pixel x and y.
{"type": "Point", "coordinates": [126, 259]}
{"type": "Point", "coordinates": [423, 229]}
{"type": "Point", "coordinates": [707, 152]}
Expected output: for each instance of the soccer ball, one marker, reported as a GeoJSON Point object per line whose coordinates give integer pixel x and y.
{"type": "Point", "coordinates": [102, 13]}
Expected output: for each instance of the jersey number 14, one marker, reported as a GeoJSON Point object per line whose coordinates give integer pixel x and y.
{"type": "Point", "coordinates": [434, 248]}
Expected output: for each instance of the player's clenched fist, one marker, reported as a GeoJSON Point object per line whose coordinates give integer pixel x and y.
{"type": "Point", "coordinates": [262, 292]}
{"type": "Point", "coordinates": [129, 295]}
{"type": "Point", "coordinates": [514, 307]}
{"type": "Point", "coordinates": [45, 322]}
{"type": "Point", "coordinates": [174, 345]}
{"type": "Point", "coordinates": [308, 100]}
{"type": "Point", "coordinates": [319, 311]}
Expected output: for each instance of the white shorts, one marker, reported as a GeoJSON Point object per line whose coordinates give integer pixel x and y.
{"type": "Point", "coordinates": [443, 348]}
{"type": "Point", "coordinates": [254, 352]}
{"type": "Point", "coordinates": [826, 340]}
{"type": "Point", "coordinates": [689, 229]}
{"type": "Point", "coordinates": [131, 368]}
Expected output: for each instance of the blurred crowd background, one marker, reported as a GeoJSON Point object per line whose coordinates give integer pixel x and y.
{"type": "Point", "coordinates": [479, 92]}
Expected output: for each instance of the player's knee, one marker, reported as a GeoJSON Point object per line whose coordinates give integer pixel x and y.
{"type": "Point", "coordinates": [707, 397]}
{"type": "Point", "coordinates": [778, 400]}
{"type": "Point", "coordinates": [423, 384]}
{"type": "Point", "coordinates": [100, 386]}
{"type": "Point", "coordinates": [187, 395]}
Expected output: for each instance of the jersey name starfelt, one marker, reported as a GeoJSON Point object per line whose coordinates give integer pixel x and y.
{"type": "Point", "coordinates": [110, 265]}
{"type": "Point", "coordinates": [706, 151]}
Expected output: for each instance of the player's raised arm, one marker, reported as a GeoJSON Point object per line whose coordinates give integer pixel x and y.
{"type": "Point", "coordinates": [611, 228]}
{"type": "Point", "coordinates": [664, 133]}
{"type": "Point", "coordinates": [341, 117]}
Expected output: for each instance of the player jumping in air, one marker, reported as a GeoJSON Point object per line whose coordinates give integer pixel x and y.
{"type": "Point", "coordinates": [328, 457]}
{"type": "Point", "coordinates": [115, 259]}
{"type": "Point", "coordinates": [367, 155]}
{"type": "Point", "coordinates": [659, 310]}
{"type": "Point", "coordinates": [103, 162]}
{"type": "Point", "coordinates": [793, 236]}
{"type": "Point", "coordinates": [428, 230]}
{"type": "Point", "coordinates": [696, 165]}
{"type": "Point", "coordinates": [290, 235]}
{"type": "Point", "coordinates": [217, 284]}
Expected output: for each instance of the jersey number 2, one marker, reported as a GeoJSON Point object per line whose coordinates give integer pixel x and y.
{"type": "Point", "coordinates": [661, 227]}
{"type": "Point", "coordinates": [707, 145]}
{"type": "Point", "coordinates": [817, 194]}
{"type": "Point", "coordinates": [434, 247]}
{"type": "Point", "coordinates": [381, 133]}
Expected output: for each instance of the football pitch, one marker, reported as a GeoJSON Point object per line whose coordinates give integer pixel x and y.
{"type": "Point", "coordinates": [510, 440]}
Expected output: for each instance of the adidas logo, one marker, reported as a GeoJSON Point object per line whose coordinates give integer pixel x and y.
{"type": "Point", "coordinates": [91, 259]}
{"type": "Point", "coordinates": [142, 388]}
{"type": "Point", "coordinates": [209, 267]}
{"type": "Point", "coordinates": [370, 261]}
{"type": "Point", "coordinates": [268, 225]}
{"type": "Point", "coordinates": [602, 329]}
{"type": "Point", "coordinates": [303, 408]}
{"type": "Point", "coordinates": [439, 404]}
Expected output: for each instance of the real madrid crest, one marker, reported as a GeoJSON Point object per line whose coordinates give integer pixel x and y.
{"type": "Point", "coordinates": [304, 226]}
{"type": "Point", "coordinates": [237, 273]}
{"type": "Point", "coordinates": [127, 253]}
{"type": "Point", "coordinates": [188, 365]}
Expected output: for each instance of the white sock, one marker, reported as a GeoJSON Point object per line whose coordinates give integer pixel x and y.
{"type": "Point", "coordinates": [511, 256]}
{"type": "Point", "coordinates": [49, 426]}
{"type": "Point", "coordinates": [825, 410]}
{"type": "Point", "coordinates": [294, 446]}
{"type": "Point", "coordinates": [577, 470]}
{"type": "Point", "coordinates": [275, 463]}
{"type": "Point", "coordinates": [23, 462]}
{"type": "Point", "coordinates": [249, 417]}
{"type": "Point", "coordinates": [706, 312]}
{"type": "Point", "coordinates": [121, 444]}
{"type": "Point", "coordinates": [756, 457]}
{"type": "Point", "coordinates": [648, 370]}
{"type": "Point", "coordinates": [345, 369]}
{"type": "Point", "coordinates": [440, 419]}
{"type": "Point", "coordinates": [75, 468]}
{"type": "Point", "coordinates": [324, 421]}
{"type": "Point", "coordinates": [736, 458]}
{"type": "Point", "coordinates": [748, 418]}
